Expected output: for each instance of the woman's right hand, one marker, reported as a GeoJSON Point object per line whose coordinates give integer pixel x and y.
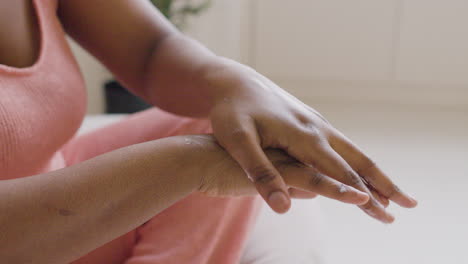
{"type": "Point", "coordinates": [222, 176]}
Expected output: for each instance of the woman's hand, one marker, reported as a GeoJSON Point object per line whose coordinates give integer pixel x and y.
{"type": "Point", "coordinates": [222, 176]}
{"type": "Point", "coordinates": [251, 114]}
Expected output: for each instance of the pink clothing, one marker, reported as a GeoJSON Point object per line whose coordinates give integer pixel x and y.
{"type": "Point", "coordinates": [198, 229]}
{"type": "Point", "coordinates": [41, 108]}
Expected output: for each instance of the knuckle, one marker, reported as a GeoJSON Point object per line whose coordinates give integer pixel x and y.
{"type": "Point", "coordinates": [315, 136]}
{"type": "Point", "coordinates": [352, 177]}
{"type": "Point", "coordinates": [240, 135]}
{"type": "Point", "coordinates": [394, 190]}
{"type": "Point", "coordinates": [366, 165]}
{"type": "Point", "coordinates": [311, 133]}
{"type": "Point", "coordinates": [262, 174]}
{"type": "Point", "coordinates": [303, 118]}
{"type": "Point", "coordinates": [316, 179]}
{"type": "Point", "coordinates": [342, 190]}
{"type": "Point", "coordinates": [312, 128]}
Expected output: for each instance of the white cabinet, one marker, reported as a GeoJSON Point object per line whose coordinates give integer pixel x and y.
{"type": "Point", "coordinates": [325, 39]}
{"type": "Point", "coordinates": [403, 51]}
{"type": "Point", "coordinates": [400, 51]}
{"type": "Point", "coordinates": [219, 28]}
{"type": "Point", "coordinates": [433, 44]}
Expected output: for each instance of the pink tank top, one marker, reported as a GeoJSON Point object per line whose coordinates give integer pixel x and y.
{"type": "Point", "coordinates": [41, 106]}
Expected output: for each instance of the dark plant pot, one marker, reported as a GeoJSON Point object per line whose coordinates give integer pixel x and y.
{"type": "Point", "coordinates": [120, 101]}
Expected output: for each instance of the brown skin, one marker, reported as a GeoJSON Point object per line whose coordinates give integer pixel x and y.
{"type": "Point", "coordinates": [99, 195]}
{"type": "Point", "coordinates": [296, 175]}
{"type": "Point", "coordinates": [180, 76]}
{"type": "Point", "coordinates": [19, 42]}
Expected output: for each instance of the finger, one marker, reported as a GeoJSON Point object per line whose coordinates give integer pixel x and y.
{"type": "Point", "coordinates": [334, 165]}
{"type": "Point", "coordinates": [319, 154]}
{"type": "Point", "coordinates": [367, 169]}
{"type": "Point", "coordinates": [242, 142]}
{"type": "Point", "coordinates": [309, 179]}
{"type": "Point", "coordinates": [383, 200]}
{"type": "Point", "coordinates": [300, 194]}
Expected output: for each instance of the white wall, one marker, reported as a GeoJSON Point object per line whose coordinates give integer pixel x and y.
{"type": "Point", "coordinates": [360, 51]}
{"type": "Point", "coordinates": [398, 51]}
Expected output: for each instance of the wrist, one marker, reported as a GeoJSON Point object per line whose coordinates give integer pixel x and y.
{"type": "Point", "coordinates": [226, 80]}
{"type": "Point", "coordinates": [199, 157]}
{"type": "Point", "coordinates": [174, 160]}
{"type": "Point", "coordinates": [190, 158]}
{"type": "Point", "coordinates": [223, 78]}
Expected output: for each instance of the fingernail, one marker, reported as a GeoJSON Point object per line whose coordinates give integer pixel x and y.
{"type": "Point", "coordinates": [279, 201]}
{"type": "Point", "coordinates": [390, 219]}
{"type": "Point", "coordinates": [408, 201]}
{"type": "Point", "coordinates": [364, 196]}
{"type": "Point", "coordinates": [413, 200]}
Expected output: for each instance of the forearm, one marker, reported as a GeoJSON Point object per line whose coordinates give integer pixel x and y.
{"type": "Point", "coordinates": [59, 216]}
{"type": "Point", "coordinates": [144, 52]}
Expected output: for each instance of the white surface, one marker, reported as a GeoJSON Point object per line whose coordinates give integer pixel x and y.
{"type": "Point", "coordinates": [296, 237]}
{"type": "Point", "coordinates": [426, 152]}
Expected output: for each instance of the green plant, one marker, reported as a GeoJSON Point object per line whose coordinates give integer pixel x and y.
{"type": "Point", "coordinates": [177, 11]}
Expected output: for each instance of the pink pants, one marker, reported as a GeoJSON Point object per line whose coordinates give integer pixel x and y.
{"type": "Point", "coordinates": [195, 230]}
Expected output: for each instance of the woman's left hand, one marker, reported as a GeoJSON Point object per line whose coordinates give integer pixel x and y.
{"type": "Point", "coordinates": [251, 113]}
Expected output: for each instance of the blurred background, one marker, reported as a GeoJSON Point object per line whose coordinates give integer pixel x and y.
{"type": "Point", "coordinates": [392, 75]}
